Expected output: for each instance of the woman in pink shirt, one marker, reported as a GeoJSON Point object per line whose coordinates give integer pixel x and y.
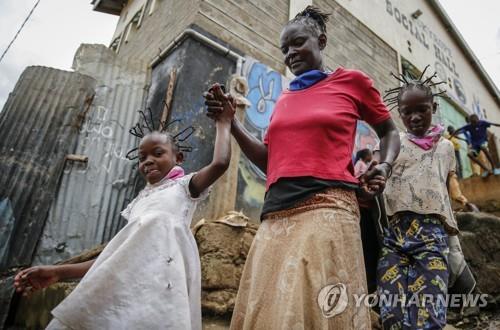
{"type": "Point", "coordinates": [306, 260]}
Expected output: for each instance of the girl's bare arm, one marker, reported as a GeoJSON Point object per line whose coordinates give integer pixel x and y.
{"type": "Point", "coordinates": [39, 277]}
{"type": "Point", "coordinates": [222, 151]}
{"type": "Point", "coordinates": [252, 147]}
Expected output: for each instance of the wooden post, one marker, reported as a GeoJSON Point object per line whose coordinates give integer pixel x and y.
{"type": "Point", "coordinates": [169, 95]}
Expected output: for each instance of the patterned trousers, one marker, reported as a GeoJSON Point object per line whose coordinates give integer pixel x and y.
{"type": "Point", "coordinates": [413, 273]}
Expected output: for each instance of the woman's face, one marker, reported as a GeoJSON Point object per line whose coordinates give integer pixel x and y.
{"type": "Point", "coordinates": [301, 48]}
{"type": "Point", "coordinates": [416, 109]}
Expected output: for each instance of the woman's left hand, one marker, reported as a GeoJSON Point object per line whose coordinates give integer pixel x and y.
{"type": "Point", "coordinates": [373, 181]}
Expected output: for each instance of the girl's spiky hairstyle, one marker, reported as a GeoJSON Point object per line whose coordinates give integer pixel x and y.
{"type": "Point", "coordinates": [392, 97]}
{"type": "Point", "coordinates": [312, 17]}
{"type": "Point", "coordinates": [146, 126]}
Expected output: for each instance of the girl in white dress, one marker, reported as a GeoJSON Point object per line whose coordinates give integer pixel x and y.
{"type": "Point", "coordinates": [148, 276]}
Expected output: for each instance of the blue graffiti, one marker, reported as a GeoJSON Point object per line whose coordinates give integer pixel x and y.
{"type": "Point", "coordinates": [365, 137]}
{"type": "Point", "coordinates": [264, 89]}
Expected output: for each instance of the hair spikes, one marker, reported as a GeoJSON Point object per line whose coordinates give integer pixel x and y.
{"type": "Point", "coordinates": [129, 154]}
{"type": "Point", "coordinates": [426, 81]}
{"type": "Point", "coordinates": [147, 122]}
{"type": "Point", "coordinates": [136, 131]}
{"type": "Point", "coordinates": [407, 83]}
{"type": "Point", "coordinates": [403, 80]}
{"type": "Point", "coordinates": [164, 125]}
{"type": "Point", "coordinates": [184, 138]}
{"type": "Point", "coordinates": [143, 115]}
{"type": "Point", "coordinates": [423, 72]}
{"type": "Point", "coordinates": [443, 92]}
{"type": "Point", "coordinates": [392, 101]}
{"type": "Point", "coordinates": [393, 90]}
{"type": "Point", "coordinates": [390, 94]}
{"type": "Point", "coordinates": [393, 107]}
{"type": "Point", "coordinates": [151, 117]}
{"type": "Point", "coordinates": [435, 84]}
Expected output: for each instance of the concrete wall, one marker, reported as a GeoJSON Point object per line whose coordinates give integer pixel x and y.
{"type": "Point", "coordinates": [168, 19]}
{"type": "Point", "coordinates": [365, 35]}
{"type": "Point", "coordinates": [351, 44]}
{"type": "Point", "coordinates": [424, 41]}
{"type": "Point", "coordinates": [251, 26]}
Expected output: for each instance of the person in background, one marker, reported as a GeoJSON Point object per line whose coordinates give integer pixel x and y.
{"type": "Point", "coordinates": [362, 162]}
{"type": "Point", "coordinates": [477, 133]}
{"type": "Point", "coordinates": [456, 146]}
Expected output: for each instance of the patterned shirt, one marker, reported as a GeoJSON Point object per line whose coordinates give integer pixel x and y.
{"type": "Point", "coordinates": [419, 181]}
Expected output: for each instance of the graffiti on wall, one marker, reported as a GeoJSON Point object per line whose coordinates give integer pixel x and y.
{"type": "Point", "coordinates": [264, 88]}
{"type": "Point", "coordinates": [98, 132]}
{"type": "Point", "coordinates": [366, 138]}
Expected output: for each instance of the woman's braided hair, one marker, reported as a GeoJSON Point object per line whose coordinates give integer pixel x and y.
{"type": "Point", "coordinates": [314, 18]}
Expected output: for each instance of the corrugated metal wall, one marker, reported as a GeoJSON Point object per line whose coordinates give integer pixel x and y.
{"type": "Point", "coordinates": [38, 128]}
{"type": "Point", "coordinates": [87, 209]}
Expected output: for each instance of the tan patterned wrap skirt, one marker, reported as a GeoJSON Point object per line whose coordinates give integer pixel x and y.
{"type": "Point", "coordinates": [303, 268]}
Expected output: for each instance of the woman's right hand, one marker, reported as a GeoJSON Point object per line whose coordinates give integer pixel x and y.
{"type": "Point", "coordinates": [35, 278]}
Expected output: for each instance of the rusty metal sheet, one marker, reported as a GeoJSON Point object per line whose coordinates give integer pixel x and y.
{"type": "Point", "coordinates": [86, 211]}
{"type": "Point", "coordinates": [38, 128]}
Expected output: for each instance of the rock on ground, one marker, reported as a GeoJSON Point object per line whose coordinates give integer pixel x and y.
{"type": "Point", "coordinates": [480, 240]}
{"type": "Point", "coordinates": [223, 245]}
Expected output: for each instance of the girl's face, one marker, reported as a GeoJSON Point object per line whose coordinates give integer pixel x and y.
{"type": "Point", "coordinates": [157, 156]}
{"type": "Point", "coordinates": [416, 109]}
{"type": "Point", "coordinates": [301, 48]}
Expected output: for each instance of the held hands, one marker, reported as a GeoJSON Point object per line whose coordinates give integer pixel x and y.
{"type": "Point", "coordinates": [220, 106]}
{"type": "Point", "coordinates": [373, 181]}
{"type": "Point", "coordinates": [35, 278]}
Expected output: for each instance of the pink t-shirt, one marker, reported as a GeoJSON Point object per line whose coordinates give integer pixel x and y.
{"type": "Point", "coordinates": [312, 131]}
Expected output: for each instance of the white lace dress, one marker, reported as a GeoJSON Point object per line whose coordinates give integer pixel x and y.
{"type": "Point", "coordinates": [148, 276]}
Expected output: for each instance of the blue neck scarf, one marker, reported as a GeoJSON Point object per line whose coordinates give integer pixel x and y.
{"type": "Point", "coordinates": [307, 79]}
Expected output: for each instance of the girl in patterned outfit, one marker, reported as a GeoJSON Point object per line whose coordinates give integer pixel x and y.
{"type": "Point", "coordinates": [413, 264]}
{"type": "Point", "coordinates": [148, 276]}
